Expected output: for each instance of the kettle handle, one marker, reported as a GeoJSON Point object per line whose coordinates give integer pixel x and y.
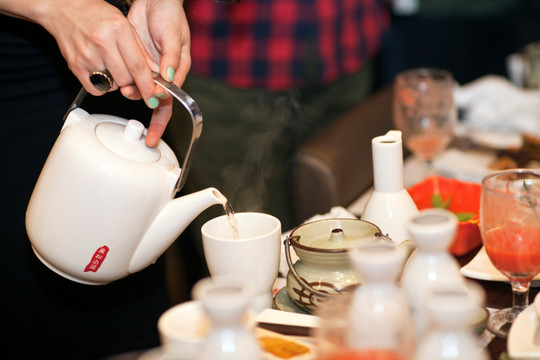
{"type": "Point", "coordinates": [196, 117]}
{"type": "Point", "coordinates": [187, 102]}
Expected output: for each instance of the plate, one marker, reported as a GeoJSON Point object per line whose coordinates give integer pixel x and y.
{"type": "Point", "coordinates": [283, 302]}
{"type": "Point", "coordinates": [524, 336]}
{"type": "Point", "coordinates": [301, 326]}
{"type": "Point", "coordinates": [481, 268]}
{"type": "Point", "coordinates": [464, 165]}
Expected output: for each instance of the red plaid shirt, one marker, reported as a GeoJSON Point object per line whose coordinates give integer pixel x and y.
{"type": "Point", "coordinates": [264, 43]}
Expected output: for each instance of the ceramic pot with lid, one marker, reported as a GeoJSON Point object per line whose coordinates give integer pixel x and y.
{"type": "Point", "coordinates": [323, 268]}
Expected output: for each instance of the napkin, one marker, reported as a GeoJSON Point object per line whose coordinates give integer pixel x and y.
{"type": "Point", "coordinates": [334, 213]}
{"type": "Point", "coordinates": [494, 103]}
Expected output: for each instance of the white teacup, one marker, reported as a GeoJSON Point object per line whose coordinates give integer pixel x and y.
{"type": "Point", "coordinates": [254, 255]}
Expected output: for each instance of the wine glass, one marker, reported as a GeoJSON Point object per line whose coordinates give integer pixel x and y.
{"type": "Point", "coordinates": [510, 228]}
{"type": "Point", "coordinates": [425, 112]}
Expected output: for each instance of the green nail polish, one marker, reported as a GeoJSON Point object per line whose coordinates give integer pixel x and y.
{"type": "Point", "coordinates": [157, 65]}
{"type": "Point", "coordinates": [170, 73]}
{"type": "Point", "coordinates": [161, 95]}
{"type": "Point", "coordinates": [153, 102]}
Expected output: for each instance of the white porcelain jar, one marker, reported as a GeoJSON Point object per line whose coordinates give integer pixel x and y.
{"type": "Point", "coordinates": [226, 301]}
{"type": "Point", "coordinates": [380, 315]}
{"type": "Point", "coordinates": [374, 321]}
{"type": "Point", "coordinates": [390, 206]}
{"type": "Point", "coordinates": [451, 309]}
{"type": "Point", "coordinates": [432, 231]}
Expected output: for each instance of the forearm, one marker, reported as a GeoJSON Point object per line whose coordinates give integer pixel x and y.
{"type": "Point", "coordinates": [42, 12]}
{"type": "Point", "coordinates": [22, 9]}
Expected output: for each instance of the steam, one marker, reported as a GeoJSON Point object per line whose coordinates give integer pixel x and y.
{"type": "Point", "coordinates": [251, 181]}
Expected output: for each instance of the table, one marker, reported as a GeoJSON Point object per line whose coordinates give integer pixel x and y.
{"type": "Point", "coordinates": [372, 118]}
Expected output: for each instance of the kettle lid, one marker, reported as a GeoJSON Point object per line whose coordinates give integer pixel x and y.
{"type": "Point", "coordinates": [127, 141]}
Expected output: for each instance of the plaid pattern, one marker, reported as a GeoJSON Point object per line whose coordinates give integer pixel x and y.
{"type": "Point", "coordinates": [279, 44]}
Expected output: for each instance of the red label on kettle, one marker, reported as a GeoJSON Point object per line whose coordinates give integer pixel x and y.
{"type": "Point", "coordinates": [97, 259]}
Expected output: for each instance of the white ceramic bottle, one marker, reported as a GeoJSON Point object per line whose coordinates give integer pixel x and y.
{"type": "Point", "coordinates": [432, 231]}
{"type": "Point", "coordinates": [226, 301]}
{"type": "Point", "coordinates": [374, 321]}
{"type": "Point", "coordinates": [390, 205]}
{"type": "Point", "coordinates": [451, 309]}
{"type": "Point", "coordinates": [379, 315]}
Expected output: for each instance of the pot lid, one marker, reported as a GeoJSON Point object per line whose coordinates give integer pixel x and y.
{"type": "Point", "coordinates": [127, 141]}
{"type": "Point", "coordinates": [334, 234]}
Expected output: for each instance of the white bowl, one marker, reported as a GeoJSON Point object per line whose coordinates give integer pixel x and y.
{"type": "Point", "coordinates": [183, 329]}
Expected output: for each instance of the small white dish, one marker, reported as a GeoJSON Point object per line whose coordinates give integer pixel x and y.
{"type": "Point", "coordinates": [463, 165]}
{"type": "Point", "coordinates": [524, 335]}
{"type": "Point", "coordinates": [481, 268]}
{"type": "Point", "coordinates": [287, 318]}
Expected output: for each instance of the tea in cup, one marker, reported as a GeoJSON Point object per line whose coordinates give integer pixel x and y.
{"type": "Point", "coordinates": [251, 251]}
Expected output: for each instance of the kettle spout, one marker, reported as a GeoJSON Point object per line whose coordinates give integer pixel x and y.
{"type": "Point", "coordinates": [170, 223]}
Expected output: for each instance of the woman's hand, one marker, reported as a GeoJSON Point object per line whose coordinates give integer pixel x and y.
{"type": "Point", "coordinates": [94, 35]}
{"type": "Point", "coordinates": [164, 32]}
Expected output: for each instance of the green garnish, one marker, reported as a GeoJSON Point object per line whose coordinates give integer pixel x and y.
{"type": "Point", "coordinates": [531, 201]}
{"type": "Point", "coordinates": [437, 201]}
{"type": "Point", "coordinates": [465, 216]}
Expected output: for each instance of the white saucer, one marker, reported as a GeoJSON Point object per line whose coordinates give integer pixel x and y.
{"type": "Point", "coordinates": [524, 336]}
{"type": "Point", "coordinates": [481, 268]}
{"type": "Point", "coordinates": [283, 302]}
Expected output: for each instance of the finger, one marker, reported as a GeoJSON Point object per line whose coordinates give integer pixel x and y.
{"type": "Point", "coordinates": [161, 93]}
{"type": "Point", "coordinates": [84, 71]}
{"type": "Point", "coordinates": [158, 122]}
{"type": "Point", "coordinates": [184, 66]}
{"type": "Point", "coordinates": [137, 65]}
{"type": "Point", "coordinates": [102, 80]}
{"type": "Point", "coordinates": [175, 63]}
{"type": "Point", "coordinates": [130, 92]}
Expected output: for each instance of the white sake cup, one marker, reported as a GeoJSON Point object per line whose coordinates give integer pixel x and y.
{"type": "Point", "coordinates": [182, 330]}
{"type": "Point", "coordinates": [254, 255]}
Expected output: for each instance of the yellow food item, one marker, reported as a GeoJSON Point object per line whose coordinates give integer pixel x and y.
{"type": "Point", "coordinates": [282, 348]}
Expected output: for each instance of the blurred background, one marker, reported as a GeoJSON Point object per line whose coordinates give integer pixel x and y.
{"type": "Point", "coordinates": [470, 38]}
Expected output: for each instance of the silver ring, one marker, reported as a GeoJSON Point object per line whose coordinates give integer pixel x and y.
{"type": "Point", "coordinates": [102, 80]}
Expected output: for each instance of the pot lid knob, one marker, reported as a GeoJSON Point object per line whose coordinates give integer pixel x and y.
{"type": "Point", "coordinates": [127, 141]}
{"type": "Point", "coordinates": [134, 130]}
{"type": "Point", "coordinates": [337, 235]}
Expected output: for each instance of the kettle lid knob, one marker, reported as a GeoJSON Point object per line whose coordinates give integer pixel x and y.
{"type": "Point", "coordinates": [133, 130]}
{"type": "Point", "coordinates": [127, 141]}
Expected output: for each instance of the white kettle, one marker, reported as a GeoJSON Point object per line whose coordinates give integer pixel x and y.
{"type": "Point", "coordinates": [104, 204]}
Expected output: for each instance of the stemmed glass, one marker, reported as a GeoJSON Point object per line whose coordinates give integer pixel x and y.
{"type": "Point", "coordinates": [510, 227]}
{"type": "Point", "coordinates": [425, 112]}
